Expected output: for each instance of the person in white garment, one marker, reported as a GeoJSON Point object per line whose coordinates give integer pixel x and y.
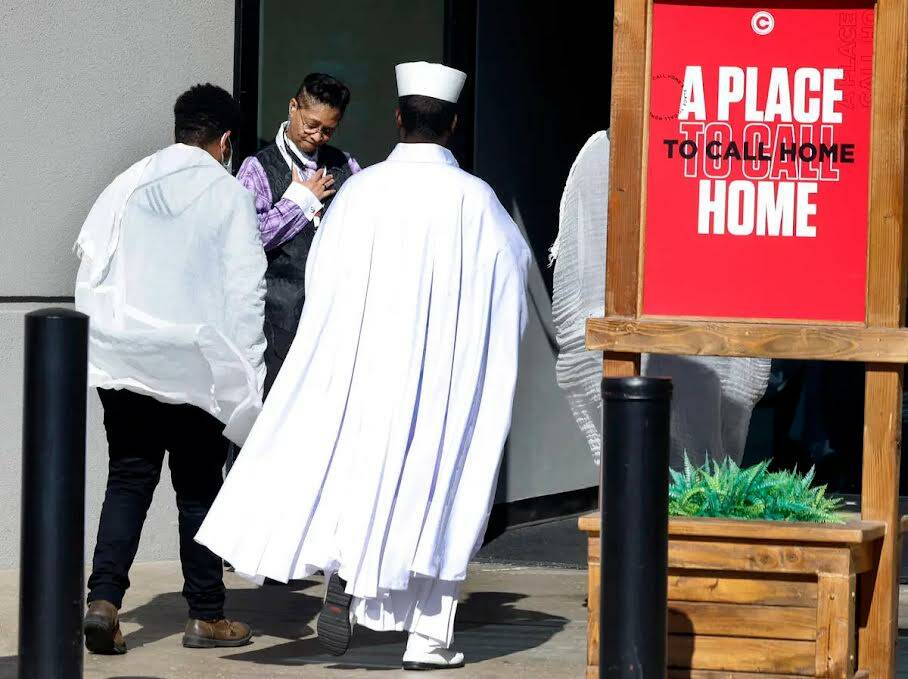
{"type": "Point", "coordinates": [376, 456]}
{"type": "Point", "coordinates": [713, 395]}
{"type": "Point", "coordinates": [172, 277]}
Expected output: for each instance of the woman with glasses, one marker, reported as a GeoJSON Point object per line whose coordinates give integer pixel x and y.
{"type": "Point", "coordinates": [293, 181]}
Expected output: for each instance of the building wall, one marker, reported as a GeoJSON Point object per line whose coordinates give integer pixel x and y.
{"type": "Point", "coordinates": [87, 89]}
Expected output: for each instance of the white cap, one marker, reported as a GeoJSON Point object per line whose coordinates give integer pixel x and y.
{"type": "Point", "coordinates": [429, 80]}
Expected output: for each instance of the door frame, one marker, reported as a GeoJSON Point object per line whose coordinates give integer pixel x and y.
{"type": "Point", "coordinates": [459, 52]}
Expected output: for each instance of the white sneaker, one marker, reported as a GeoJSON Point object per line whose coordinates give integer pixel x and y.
{"type": "Point", "coordinates": [424, 654]}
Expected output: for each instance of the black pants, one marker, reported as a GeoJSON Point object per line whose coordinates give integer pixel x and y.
{"type": "Point", "coordinates": [139, 431]}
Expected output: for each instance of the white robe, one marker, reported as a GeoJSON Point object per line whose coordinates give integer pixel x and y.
{"type": "Point", "coordinates": [378, 448]}
{"type": "Point", "coordinates": [428, 607]}
{"type": "Point", "coordinates": [172, 276]}
{"type": "Point", "coordinates": [713, 395]}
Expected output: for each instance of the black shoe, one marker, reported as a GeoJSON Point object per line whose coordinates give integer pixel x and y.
{"type": "Point", "coordinates": [335, 623]}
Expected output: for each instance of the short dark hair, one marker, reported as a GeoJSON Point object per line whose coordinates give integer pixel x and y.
{"type": "Point", "coordinates": [324, 89]}
{"type": "Point", "coordinates": [426, 117]}
{"type": "Point", "coordinates": [203, 113]}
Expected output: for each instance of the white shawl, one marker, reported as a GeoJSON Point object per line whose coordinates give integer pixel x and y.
{"type": "Point", "coordinates": [713, 396]}
{"type": "Point", "coordinates": [172, 276]}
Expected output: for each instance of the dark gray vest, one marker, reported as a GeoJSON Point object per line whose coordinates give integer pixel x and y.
{"type": "Point", "coordinates": [286, 273]}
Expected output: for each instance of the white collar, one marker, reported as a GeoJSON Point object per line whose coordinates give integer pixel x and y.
{"type": "Point", "coordinates": [188, 154]}
{"type": "Point", "coordinates": [283, 142]}
{"type": "Point", "coordinates": [423, 153]}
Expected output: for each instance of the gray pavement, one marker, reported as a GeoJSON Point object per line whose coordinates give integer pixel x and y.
{"type": "Point", "coordinates": [514, 622]}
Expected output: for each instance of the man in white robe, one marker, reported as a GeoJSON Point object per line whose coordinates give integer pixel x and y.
{"type": "Point", "coordinates": [376, 456]}
{"type": "Point", "coordinates": [172, 277]}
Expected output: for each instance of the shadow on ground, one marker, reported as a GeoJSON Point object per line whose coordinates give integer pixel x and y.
{"type": "Point", "coordinates": [489, 625]}
{"type": "Point", "coordinates": [9, 670]}
{"type": "Point", "coordinates": [281, 611]}
{"type": "Point", "coordinates": [550, 543]}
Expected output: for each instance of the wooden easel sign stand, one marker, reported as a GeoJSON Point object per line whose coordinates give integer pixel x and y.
{"type": "Point", "coordinates": [757, 208]}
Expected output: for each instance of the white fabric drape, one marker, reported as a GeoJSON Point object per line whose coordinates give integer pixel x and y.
{"type": "Point", "coordinates": [713, 396]}
{"type": "Point", "coordinates": [172, 276]}
{"type": "Point", "coordinates": [426, 607]}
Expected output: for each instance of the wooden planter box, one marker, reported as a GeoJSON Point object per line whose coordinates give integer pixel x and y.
{"type": "Point", "coordinates": [754, 597]}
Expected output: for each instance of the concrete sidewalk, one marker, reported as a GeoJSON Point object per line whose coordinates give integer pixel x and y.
{"type": "Point", "coordinates": [513, 622]}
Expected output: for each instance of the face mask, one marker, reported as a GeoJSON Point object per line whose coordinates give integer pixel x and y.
{"type": "Point", "coordinates": [228, 161]}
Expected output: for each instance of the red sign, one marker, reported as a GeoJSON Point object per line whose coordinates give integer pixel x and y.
{"type": "Point", "coordinates": [759, 141]}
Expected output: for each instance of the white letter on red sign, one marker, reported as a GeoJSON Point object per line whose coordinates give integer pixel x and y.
{"type": "Point", "coordinates": [711, 206]}
{"type": "Point", "coordinates": [731, 89]}
{"type": "Point", "coordinates": [693, 103]}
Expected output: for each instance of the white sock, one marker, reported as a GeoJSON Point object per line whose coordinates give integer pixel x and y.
{"type": "Point", "coordinates": [418, 643]}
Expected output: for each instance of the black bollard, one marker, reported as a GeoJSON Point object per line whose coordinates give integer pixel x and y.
{"type": "Point", "coordinates": [51, 568]}
{"type": "Point", "coordinates": [633, 590]}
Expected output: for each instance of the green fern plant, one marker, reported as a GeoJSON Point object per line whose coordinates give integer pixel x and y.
{"type": "Point", "coordinates": [724, 490]}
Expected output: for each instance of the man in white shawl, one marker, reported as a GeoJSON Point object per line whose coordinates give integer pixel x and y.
{"type": "Point", "coordinates": [172, 276]}
{"type": "Point", "coordinates": [376, 456]}
{"type": "Point", "coordinates": [713, 396]}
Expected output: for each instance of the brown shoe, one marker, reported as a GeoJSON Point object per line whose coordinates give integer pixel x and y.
{"type": "Point", "coordinates": [217, 634]}
{"type": "Point", "coordinates": [102, 629]}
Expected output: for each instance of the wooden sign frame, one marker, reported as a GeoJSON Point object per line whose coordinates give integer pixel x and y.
{"type": "Point", "coordinates": [881, 342]}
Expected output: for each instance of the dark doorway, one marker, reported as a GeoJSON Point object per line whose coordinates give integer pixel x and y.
{"type": "Point", "coordinates": [538, 87]}
{"type": "Point", "coordinates": [543, 84]}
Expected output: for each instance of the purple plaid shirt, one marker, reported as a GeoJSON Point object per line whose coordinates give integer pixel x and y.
{"type": "Point", "coordinates": [282, 220]}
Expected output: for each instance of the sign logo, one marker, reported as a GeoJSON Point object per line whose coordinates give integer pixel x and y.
{"type": "Point", "coordinates": [762, 23]}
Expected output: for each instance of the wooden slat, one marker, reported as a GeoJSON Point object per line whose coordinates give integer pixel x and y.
{"type": "Point", "coordinates": [853, 531]}
{"type": "Point", "coordinates": [885, 307]}
{"type": "Point", "coordinates": [589, 523]}
{"type": "Point", "coordinates": [732, 338]}
{"type": "Point", "coordinates": [594, 550]}
{"type": "Point", "coordinates": [620, 365]}
{"type": "Point", "coordinates": [773, 590]}
{"type": "Point", "coordinates": [741, 654]}
{"type": "Point", "coordinates": [886, 258]}
{"type": "Point", "coordinates": [592, 608]}
{"type": "Point", "coordinates": [880, 501]}
{"type": "Point", "coordinates": [768, 589]}
{"type": "Point", "coordinates": [886, 276]}
{"type": "Point", "coordinates": [716, 674]}
{"type": "Point", "coordinates": [863, 557]}
{"type": "Point", "coordinates": [836, 635]}
{"type": "Point", "coordinates": [736, 620]}
{"type": "Point", "coordinates": [627, 134]}
{"type": "Point", "coordinates": [756, 558]}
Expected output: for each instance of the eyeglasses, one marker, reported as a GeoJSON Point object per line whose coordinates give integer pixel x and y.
{"type": "Point", "coordinates": [310, 127]}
